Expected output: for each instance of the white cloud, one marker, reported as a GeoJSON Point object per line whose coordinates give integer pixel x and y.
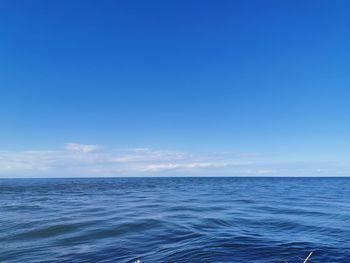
{"type": "Point", "coordinates": [181, 166]}
{"type": "Point", "coordinates": [85, 148]}
{"type": "Point", "coordinates": [94, 160]}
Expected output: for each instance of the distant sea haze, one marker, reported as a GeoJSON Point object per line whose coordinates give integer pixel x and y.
{"type": "Point", "coordinates": [175, 220]}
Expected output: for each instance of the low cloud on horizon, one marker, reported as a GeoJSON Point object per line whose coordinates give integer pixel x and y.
{"type": "Point", "coordinates": [87, 160]}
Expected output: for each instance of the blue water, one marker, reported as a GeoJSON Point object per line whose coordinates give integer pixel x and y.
{"type": "Point", "coordinates": [175, 220]}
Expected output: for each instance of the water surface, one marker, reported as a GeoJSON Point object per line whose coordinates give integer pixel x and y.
{"type": "Point", "coordinates": [175, 220]}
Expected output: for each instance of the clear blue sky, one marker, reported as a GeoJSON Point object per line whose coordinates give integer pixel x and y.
{"type": "Point", "coordinates": [266, 77]}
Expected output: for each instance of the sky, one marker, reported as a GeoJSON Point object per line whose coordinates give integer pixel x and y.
{"type": "Point", "coordinates": [174, 88]}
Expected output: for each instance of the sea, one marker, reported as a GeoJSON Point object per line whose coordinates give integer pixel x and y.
{"type": "Point", "coordinates": [192, 219]}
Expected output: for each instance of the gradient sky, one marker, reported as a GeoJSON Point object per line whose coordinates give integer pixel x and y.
{"type": "Point", "coordinates": [108, 88]}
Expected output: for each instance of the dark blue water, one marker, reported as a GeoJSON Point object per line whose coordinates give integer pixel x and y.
{"type": "Point", "coordinates": [175, 220]}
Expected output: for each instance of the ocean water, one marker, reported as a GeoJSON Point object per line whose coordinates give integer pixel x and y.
{"type": "Point", "coordinates": [175, 220]}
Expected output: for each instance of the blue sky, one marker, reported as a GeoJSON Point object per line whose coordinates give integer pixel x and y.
{"type": "Point", "coordinates": [232, 87]}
